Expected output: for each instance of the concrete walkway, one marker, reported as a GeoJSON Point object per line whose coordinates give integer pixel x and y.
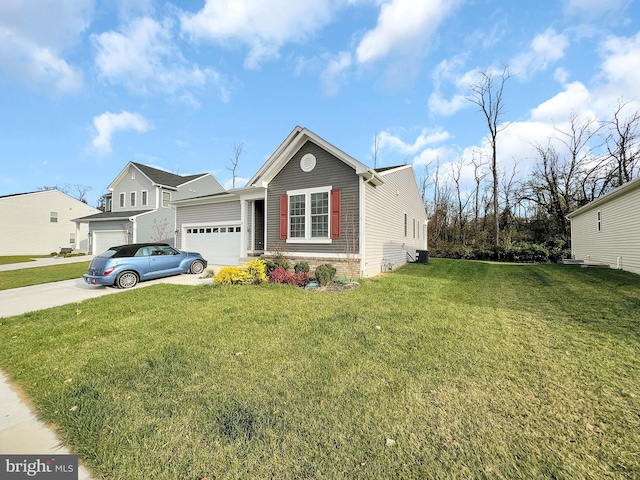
{"type": "Point", "coordinates": [20, 430]}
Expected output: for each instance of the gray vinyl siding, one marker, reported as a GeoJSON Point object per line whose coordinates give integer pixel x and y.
{"type": "Point", "coordinates": [200, 187]}
{"type": "Point", "coordinates": [205, 213]}
{"type": "Point", "coordinates": [619, 235]}
{"type": "Point", "coordinates": [386, 206]}
{"type": "Point", "coordinates": [128, 185]}
{"type": "Point", "coordinates": [156, 226]}
{"type": "Point", "coordinates": [329, 171]}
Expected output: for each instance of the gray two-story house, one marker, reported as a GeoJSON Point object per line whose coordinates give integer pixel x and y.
{"type": "Point", "coordinates": [138, 206]}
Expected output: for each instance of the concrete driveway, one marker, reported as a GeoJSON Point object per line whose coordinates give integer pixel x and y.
{"type": "Point", "coordinates": [17, 301]}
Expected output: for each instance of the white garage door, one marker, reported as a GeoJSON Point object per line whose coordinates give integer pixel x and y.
{"type": "Point", "coordinates": [102, 241]}
{"type": "Point", "coordinates": [219, 245]}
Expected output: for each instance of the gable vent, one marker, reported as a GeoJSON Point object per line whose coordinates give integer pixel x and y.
{"type": "Point", "coordinates": [308, 162]}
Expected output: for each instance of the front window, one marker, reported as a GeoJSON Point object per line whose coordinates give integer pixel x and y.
{"type": "Point", "coordinates": [122, 200]}
{"type": "Point", "coordinates": [309, 215]}
{"type": "Point", "coordinates": [166, 198]}
{"type": "Point", "coordinates": [133, 199]}
{"type": "Point", "coordinates": [297, 216]}
{"type": "Point", "coordinates": [53, 217]}
{"type": "Point", "coordinates": [320, 215]}
{"type": "Point", "coordinates": [145, 198]}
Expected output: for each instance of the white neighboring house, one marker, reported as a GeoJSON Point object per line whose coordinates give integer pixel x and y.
{"type": "Point", "coordinates": [137, 207]}
{"type": "Point", "coordinates": [39, 223]}
{"type": "Point", "coordinates": [607, 230]}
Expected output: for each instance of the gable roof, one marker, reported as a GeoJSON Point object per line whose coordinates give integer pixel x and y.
{"type": "Point", "coordinates": [294, 141]}
{"type": "Point", "coordinates": [105, 216]}
{"type": "Point", "coordinates": [158, 177]}
{"type": "Point", "coordinates": [616, 192]}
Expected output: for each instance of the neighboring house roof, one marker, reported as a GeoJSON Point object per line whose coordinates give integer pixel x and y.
{"type": "Point", "coordinates": [210, 198]}
{"type": "Point", "coordinates": [18, 194]}
{"type": "Point", "coordinates": [616, 192]}
{"type": "Point", "coordinates": [294, 141]}
{"type": "Point", "coordinates": [158, 177]}
{"type": "Point", "coordinates": [105, 216]}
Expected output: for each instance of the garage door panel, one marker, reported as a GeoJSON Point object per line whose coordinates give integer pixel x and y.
{"type": "Point", "coordinates": [219, 245]}
{"type": "Point", "coordinates": [104, 240]}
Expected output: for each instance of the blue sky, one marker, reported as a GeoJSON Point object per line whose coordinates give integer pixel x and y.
{"type": "Point", "coordinates": [89, 85]}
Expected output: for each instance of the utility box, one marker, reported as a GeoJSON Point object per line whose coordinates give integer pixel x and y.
{"type": "Point", "coordinates": [423, 256]}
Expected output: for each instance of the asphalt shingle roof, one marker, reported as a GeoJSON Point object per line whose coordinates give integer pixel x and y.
{"type": "Point", "coordinates": [162, 177]}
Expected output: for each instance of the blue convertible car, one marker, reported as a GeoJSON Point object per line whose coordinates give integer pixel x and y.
{"type": "Point", "coordinates": [126, 265]}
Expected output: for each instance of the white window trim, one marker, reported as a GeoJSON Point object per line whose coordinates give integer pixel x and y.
{"type": "Point", "coordinates": [162, 199]}
{"type": "Point", "coordinates": [307, 215]}
{"type": "Point", "coordinates": [122, 200]}
{"type": "Point", "coordinates": [144, 203]}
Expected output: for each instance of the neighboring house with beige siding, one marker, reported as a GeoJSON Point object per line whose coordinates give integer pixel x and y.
{"type": "Point", "coordinates": [311, 201]}
{"type": "Point", "coordinates": [607, 230]}
{"type": "Point", "coordinates": [138, 206]}
{"type": "Point", "coordinates": [39, 223]}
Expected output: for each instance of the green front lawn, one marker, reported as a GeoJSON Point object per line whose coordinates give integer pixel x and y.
{"type": "Point", "coordinates": [7, 259]}
{"type": "Point", "coordinates": [26, 277]}
{"type": "Point", "coordinates": [450, 370]}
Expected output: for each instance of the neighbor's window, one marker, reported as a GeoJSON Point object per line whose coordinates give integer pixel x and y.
{"type": "Point", "coordinates": [144, 201]}
{"type": "Point", "coordinates": [72, 238]}
{"type": "Point", "coordinates": [599, 222]}
{"type": "Point", "coordinates": [53, 217]}
{"type": "Point", "coordinates": [166, 198]}
{"type": "Point", "coordinates": [309, 214]}
{"type": "Point", "coordinates": [133, 199]}
{"type": "Point", "coordinates": [405, 224]}
{"type": "Point", "coordinates": [122, 200]}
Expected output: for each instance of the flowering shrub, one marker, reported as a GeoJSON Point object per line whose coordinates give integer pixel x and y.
{"type": "Point", "coordinates": [253, 273]}
{"type": "Point", "coordinates": [280, 275]}
{"type": "Point", "coordinates": [232, 276]}
{"type": "Point", "coordinates": [257, 271]}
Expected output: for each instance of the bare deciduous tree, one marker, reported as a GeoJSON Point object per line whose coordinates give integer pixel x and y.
{"type": "Point", "coordinates": [79, 192]}
{"type": "Point", "coordinates": [487, 94]}
{"type": "Point", "coordinates": [238, 148]}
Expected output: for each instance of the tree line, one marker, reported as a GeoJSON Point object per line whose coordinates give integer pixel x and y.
{"type": "Point", "coordinates": [502, 216]}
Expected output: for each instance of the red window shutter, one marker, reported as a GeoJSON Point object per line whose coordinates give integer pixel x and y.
{"type": "Point", "coordinates": [284, 214]}
{"type": "Point", "coordinates": [335, 213]}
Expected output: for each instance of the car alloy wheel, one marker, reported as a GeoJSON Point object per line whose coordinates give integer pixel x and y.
{"type": "Point", "coordinates": [127, 280]}
{"type": "Point", "coordinates": [197, 267]}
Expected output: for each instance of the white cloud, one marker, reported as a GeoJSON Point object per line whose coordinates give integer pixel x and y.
{"type": "Point", "coordinates": [574, 98]}
{"type": "Point", "coordinates": [108, 124]}
{"type": "Point", "coordinates": [264, 26]}
{"type": "Point", "coordinates": [403, 25]}
{"type": "Point", "coordinates": [426, 137]}
{"type": "Point", "coordinates": [592, 8]}
{"type": "Point", "coordinates": [545, 49]}
{"type": "Point", "coordinates": [439, 105]}
{"type": "Point", "coordinates": [620, 70]}
{"type": "Point", "coordinates": [144, 58]}
{"type": "Point", "coordinates": [334, 73]}
{"type": "Point", "coordinates": [34, 36]}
